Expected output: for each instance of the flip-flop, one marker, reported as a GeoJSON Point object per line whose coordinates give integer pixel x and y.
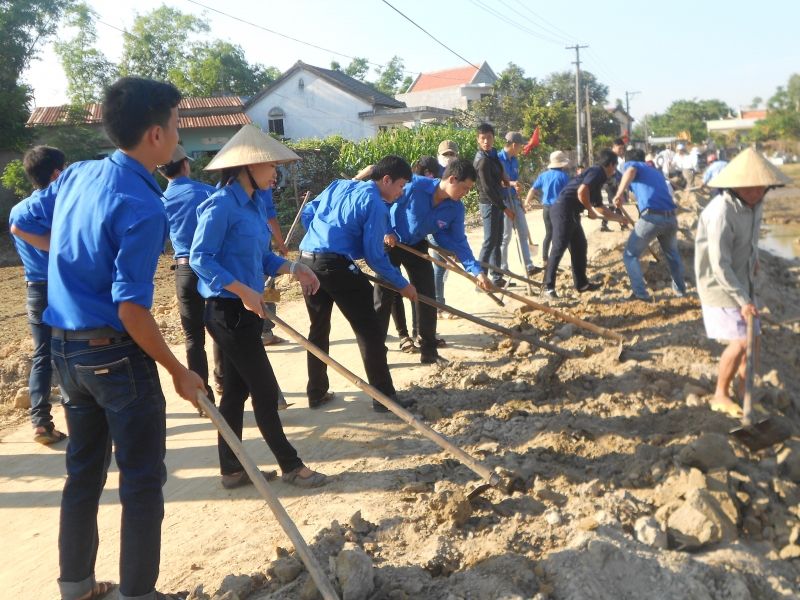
{"type": "Point", "coordinates": [272, 340]}
{"type": "Point", "coordinates": [100, 589]}
{"type": "Point", "coordinates": [732, 410]}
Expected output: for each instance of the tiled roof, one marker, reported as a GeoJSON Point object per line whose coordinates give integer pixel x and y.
{"type": "Point", "coordinates": [224, 111]}
{"type": "Point", "coordinates": [442, 79]}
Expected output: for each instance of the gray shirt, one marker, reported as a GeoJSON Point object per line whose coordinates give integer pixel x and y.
{"type": "Point", "coordinates": [726, 252]}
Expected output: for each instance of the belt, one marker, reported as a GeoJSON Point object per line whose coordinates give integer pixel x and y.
{"type": "Point", "coordinates": [101, 333]}
{"type": "Point", "coordinates": [34, 283]}
{"type": "Point", "coordinates": [323, 255]}
{"type": "Point", "coordinates": [663, 213]}
{"type": "Point", "coordinates": [182, 261]}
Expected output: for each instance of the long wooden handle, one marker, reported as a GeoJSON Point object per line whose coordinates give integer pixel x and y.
{"type": "Point", "coordinates": [315, 570]}
{"type": "Point", "coordinates": [269, 280]}
{"type": "Point", "coordinates": [488, 324]}
{"type": "Point", "coordinates": [487, 474]}
{"type": "Point", "coordinates": [449, 264]}
{"type": "Point", "coordinates": [747, 417]}
{"type": "Point", "coordinates": [511, 274]}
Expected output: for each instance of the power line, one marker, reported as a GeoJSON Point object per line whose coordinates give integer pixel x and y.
{"type": "Point", "coordinates": [554, 29]}
{"type": "Point", "coordinates": [514, 23]}
{"type": "Point", "coordinates": [418, 26]}
{"type": "Point", "coordinates": [546, 30]}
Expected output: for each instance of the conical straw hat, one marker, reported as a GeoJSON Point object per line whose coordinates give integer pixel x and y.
{"type": "Point", "coordinates": [749, 169]}
{"type": "Point", "coordinates": [251, 146]}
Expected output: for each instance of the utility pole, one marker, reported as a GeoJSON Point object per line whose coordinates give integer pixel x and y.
{"type": "Point", "coordinates": [577, 63]}
{"type": "Point", "coordinates": [628, 96]}
{"type": "Point", "coordinates": [589, 127]}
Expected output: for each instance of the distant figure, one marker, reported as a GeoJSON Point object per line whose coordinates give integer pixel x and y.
{"type": "Point", "coordinates": [549, 185]}
{"type": "Point", "coordinates": [508, 157]}
{"type": "Point", "coordinates": [713, 169]}
{"type": "Point", "coordinates": [686, 163]}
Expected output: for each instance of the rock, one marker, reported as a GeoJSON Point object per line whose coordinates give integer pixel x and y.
{"type": "Point", "coordinates": [709, 451]}
{"type": "Point", "coordinates": [553, 517]}
{"type": "Point", "coordinates": [480, 378]}
{"type": "Point", "coordinates": [452, 506]}
{"type": "Point", "coordinates": [545, 494]}
{"type": "Point", "coordinates": [358, 524]}
{"type": "Point", "coordinates": [506, 344]}
{"type": "Point", "coordinates": [587, 523]}
{"type": "Point", "coordinates": [648, 532]}
{"type": "Point", "coordinates": [354, 573]}
{"type": "Point", "coordinates": [285, 569]}
{"type": "Point", "coordinates": [694, 400]}
{"type": "Point", "coordinates": [789, 461]}
{"type": "Point", "coordinates": [431, 413]}
{"type": "Point", "coordinates": [565, 332]}
{"type": "Point", "coordinates": [698, 522]}
{"type": "Point", "coordinates": [524, 349]}
{"type": "Point", "coordinates": [438, 556]}
{"type": "Point", "coordinates": [790, 551]}
{"type": "Point", "coordinates": [240, 586]}
{"type": "Point", "coordinates": [22, 398]}
{"type": "Point", "coordinates": [773, 379]}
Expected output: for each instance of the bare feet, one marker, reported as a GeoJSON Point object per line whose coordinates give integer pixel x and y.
{"type": "Point", "coordinates": [725, 405]}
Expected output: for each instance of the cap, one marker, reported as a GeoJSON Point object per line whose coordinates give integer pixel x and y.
{"type": "Point", "coordinates": [514, 137]}
{"type": "Point", "coordinates": [447, 146]}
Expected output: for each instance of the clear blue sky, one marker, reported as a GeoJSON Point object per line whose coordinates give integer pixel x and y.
{"type": "Point", "coordinates": [731, 50]}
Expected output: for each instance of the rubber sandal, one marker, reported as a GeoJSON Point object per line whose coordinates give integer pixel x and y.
{"type": "Point", "coordinates": [235, 480]}
{"type": "Point", "coordinates": [100, 590]}
{"type": "Point", "coordinates": [46, 436]}
{"type": "Point", "coordinates": [408, 346]}
{"type": "Point", "coordinates": [732, 410]}
{"type": "Point", "coordinates": [271, 340]}
{"type": "Point", "coordinates": [314, 480]}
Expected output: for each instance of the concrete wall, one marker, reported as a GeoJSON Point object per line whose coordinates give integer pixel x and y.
{"type": "Point", "coordinates": [448, 97]}
{"type": "Point", "coordinates": [316, 110]}
{"type": "Point", "coordinates": [205, 139]}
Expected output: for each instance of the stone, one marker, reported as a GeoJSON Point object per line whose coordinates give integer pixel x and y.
{"type": "Point", "coordinates": [358, 524]}
{"type": "Point", "coordinates": [587, 523]}
{"type": "Point", "coordinates": [648, 532]}
{"type": "Point", "coordinates": [480, 378]}
{"type": "Point", "coordinates": [790, 551]}
{"type": "Point", "coordinates": [773, 379]}
{"type": "Point", "coordinates": [285, 569]}
{"type": "Point", "coordinates": [240, 586]}
{"type": "Point", "coordinates": [452, 506]}
{"type": "Point", "coordinates": [694, 400]}
{"type": "Point", "coordinates": [789, 461]}
{"type": "Point", "coordinates": [524, 349]}
{"type": "Point", "coordinates": [553, 517]}
{"type": "Point", "coordinates": [438, 556]}
{"type": "Point", "coordinates": [709, 451]}
{"type": "Point", "coordinates": [565, 332]}
{"type": "Point", "coordinates": [698, 522]}
{"type": "Point", "coordinates": [545, 494]}
{"type": "Point", "coordinates": [354, 573]}
{"type": "Point", "coordinates": [22, 398]}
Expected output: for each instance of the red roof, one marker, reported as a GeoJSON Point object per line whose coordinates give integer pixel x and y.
{"type": "Point", "coordinates": [231, 120]}
{"type": "Point", "coordinates": [442, 79]}
{"type": "Point", "coordinates": [754, 114]}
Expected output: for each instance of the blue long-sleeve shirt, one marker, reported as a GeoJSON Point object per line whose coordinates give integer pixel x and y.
{"type": "Point", "coordinates": [351, 218]}
{"type": "Point", "coordinates": [231, 243]}
{"type": "Point", "coordinates": [413, 217]}
{"type": "Point", "coordinates": [34, 261]}
{"type": "Point", "coordinates": [181, 199]}
{"type": "Point", "coordinates": [107, 230]}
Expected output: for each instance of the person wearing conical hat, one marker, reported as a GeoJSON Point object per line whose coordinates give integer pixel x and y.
{"type": "Point", "coordinates": [230, 254]}
{"type": "Point", "coordinates": [726, 262]}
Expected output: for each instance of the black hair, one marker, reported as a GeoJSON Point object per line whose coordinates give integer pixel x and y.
{"type": "Point", "coordinates": [132, 105]}
{"type": "Point", "coordinates": [485, 128]}
{"type": "Point", "coordinates": [636, 155]}
{"type": "Point", "coordinates": [619, 142]}
{"type": "Point", "coordinates": [393, 166]}
{"type": "Point", "coordinates": [462, 169]}
{"type": "Point", "coordinates": [425, 164]}
{"type": "Point", "coordinates": [607, 157]}
{"type": "Point", "coordinates": [40, 162]}
{"type": "Point", "coordinates": [172, 169]}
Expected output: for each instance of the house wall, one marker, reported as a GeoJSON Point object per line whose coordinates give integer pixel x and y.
{"type": "Point", "coordinates": [316, 110]}
{"type": "Point", "coordinates": [205, 139]}
{"type": "Point", "coordinates": [448, 97]}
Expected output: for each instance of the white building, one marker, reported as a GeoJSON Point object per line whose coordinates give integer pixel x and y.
{"type": "Point", "coordinates": [453, 88]}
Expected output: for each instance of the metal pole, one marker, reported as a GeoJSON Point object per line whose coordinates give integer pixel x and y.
{"type": "Point", "coordinates": [589, 126]}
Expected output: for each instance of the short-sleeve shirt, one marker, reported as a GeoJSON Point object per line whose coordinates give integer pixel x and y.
{"type": "Point", "coordinates": [650, 188]}
{"type": "Point", "coordinates": [594, 178]}
{"type": "Point", "coordinates": [511, 167]}
{"type": "Point", "coordinates": [181, 199]}
{"type": "Point", "coordinates": [551, 182]}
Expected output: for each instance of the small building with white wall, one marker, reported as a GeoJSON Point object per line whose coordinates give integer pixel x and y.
{"type": "Point", "coordinates": [451, 88]}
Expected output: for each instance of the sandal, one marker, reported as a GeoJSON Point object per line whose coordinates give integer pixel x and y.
{"type": "Point", "coordinates": [440, 343]}
{"type": "Point", "coordinates": [100, 589]}
{"type": "Point", "coordinates": [408, 346]}
{"type": "Point", "coordinates": [47, 436]}
{"type": "Point", "coordinates": [327, 398]}
{"type": "Point", "coordinates": [270, 339]}
{"type": "Point", "coordinates": [235, 480]}
{"type": "Point", "coordinates": [316, 479]}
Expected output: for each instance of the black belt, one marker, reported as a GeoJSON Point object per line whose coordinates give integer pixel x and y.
{"type": "Point", "coordinates": [663, 213]}
{"type": "Point", "coordinates": [101, 333]}
{"type": "Point", "coordinates": [182, 261]}
{"type": "Point", "coordinates": [323, 255]}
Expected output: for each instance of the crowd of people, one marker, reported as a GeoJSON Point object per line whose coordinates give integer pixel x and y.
{"type": "Point", "coordinates": [91, 234]}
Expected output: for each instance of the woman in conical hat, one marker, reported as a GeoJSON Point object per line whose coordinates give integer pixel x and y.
{"type": "Point", "coordinates": [726, 262]}
{"type": "Point", "coordinates": [230, 254]}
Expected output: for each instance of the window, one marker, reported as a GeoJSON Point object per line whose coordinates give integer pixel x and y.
{"type": "Point", "coordinates": [275, 121]}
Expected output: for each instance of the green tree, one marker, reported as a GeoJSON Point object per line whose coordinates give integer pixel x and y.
{"type": "Point", "coordinates": [160, 43]}
{"type": "Point", "coordinates": [24, 24]}
{"type": "Point", "coordinates": [14, 179]}
{"type": "Point", "coordinates": [783, 117]}
{"type": "Point", "coordinates": [87, 69]}
{"type": "Point", "coordinates": [689, 116]}
{"type": "Point", "coordinates": [390, 77]}
{"type": "Point", "coordinates": [562, 87]}
{"type": "Point", "coordinates": [357, 69]}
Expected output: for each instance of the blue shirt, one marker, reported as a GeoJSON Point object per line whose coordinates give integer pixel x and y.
{"type": "Point", "coordinates": [181, 199]}
{"type": "Point", "coordinates": [350, 218]}
{"type": "Point", "coordinates": [413, 217]}
{"type": "Point", "coordinates": [511, 167]}
{"type": "Point", "coordinates": [713, 170]}
{"type": "Point", "coordinates": [269, 204]}
{"type": "Point", "coordinates": [34, 261]}
{"type": "Point", "coordinates": [231, 243]}
{"type": "Point", "coordinates": [594, 178]}
{"type": "Point", "coordinates": [550, 182]}
{"type": "Point", "coordinates": [108, 228]}
{"type": "Point", "coordinates": [650, 188]}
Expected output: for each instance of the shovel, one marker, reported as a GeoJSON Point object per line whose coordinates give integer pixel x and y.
{"type": "Point", "coordinates": [760, 434]}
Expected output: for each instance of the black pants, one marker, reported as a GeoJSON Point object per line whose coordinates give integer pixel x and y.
{"type": "Point", "coordinates": [343, 284]}
{"type": "Point", "coordinates": [548, 232]}
{"type": "Point", "coordinates": [191, 306]}
{"type": "Point", "coordinates": [491, 251]}
{"type": "Point", "coordinates": [420, 272]}
{"type": "Point", "coordinates": [246, 371]}
{"type": "Point", "coordinates": [567, 233]}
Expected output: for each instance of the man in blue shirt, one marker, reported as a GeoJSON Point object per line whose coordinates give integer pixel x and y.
{"type": "Point", "coordinates": [347, 221]}
{"type": "Point", "coordinates": [429, 206]}
{"type": "Point", "coordinates": [656, 220]}
{"type": "Point", "coordinates": [107, 229]}
{"type": "Point", "coordinates": [583, 192]}
{"type": "Point", "coordinates": [508, 158]}
{"type": "Point", "coordinates": [181, 199]}
{"type": "Point", "coordinates": [42, 165]}
{"type": "Point", "coordinates": [549, 185]}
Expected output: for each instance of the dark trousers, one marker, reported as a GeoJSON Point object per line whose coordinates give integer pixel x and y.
{"type": "Point", "coordinates": [420, 273]}
{"type": "Point", "coordinates": [399, 317]}
{"type": "Point", "coordinates": [191, 306]}
{"type": "Point", "coordinates": [246, 371]}
{"type": "Point", "coordinates": [41, 374]}
{"type": "Point", "coordinates": [492, 236]}
{"type": "Point", "coordinates": [111, 394]}
{"type": "Point", "coordinates": [343, 284]}
{"type": "Point", "coordinates": [548, 232]}
{"type": "Point", "coordinates": [567, 233]}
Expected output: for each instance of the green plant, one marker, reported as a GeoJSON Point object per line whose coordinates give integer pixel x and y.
{"type": "Point", "coordinates": [14, 179]}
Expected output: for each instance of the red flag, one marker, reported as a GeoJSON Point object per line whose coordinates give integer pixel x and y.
{"type": "Point", "coordinates": [533, 142]}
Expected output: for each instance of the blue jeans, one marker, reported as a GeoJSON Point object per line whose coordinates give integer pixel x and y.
{"type": "Point", "coordinates": [492, 217]}
{"type": "Point", "coordinates": [111, 394]}
{"type": "Point", "coordinates": [521, 225]}
{"type": "Point", "coordinates": [649, 226]}
{"type": "Point", "coordinates": [41, 368]}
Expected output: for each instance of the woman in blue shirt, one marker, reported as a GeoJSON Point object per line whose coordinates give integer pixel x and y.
{"type": "Point", "coordinates": [230, 254]}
